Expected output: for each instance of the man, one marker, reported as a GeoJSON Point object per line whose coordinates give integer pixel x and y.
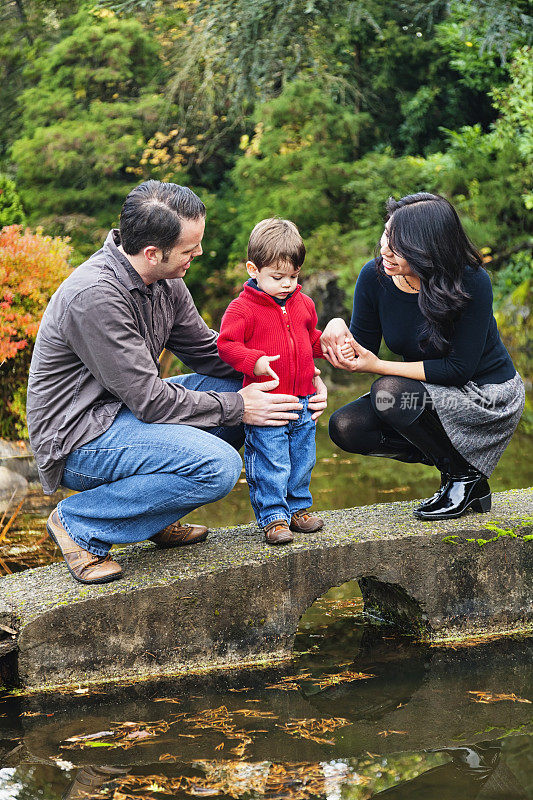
{"type": "Point", "coordinates": [141, 451]}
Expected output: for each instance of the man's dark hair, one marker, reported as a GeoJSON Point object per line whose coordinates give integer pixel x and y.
{"type": "Point", "coordinates": [152, 215]}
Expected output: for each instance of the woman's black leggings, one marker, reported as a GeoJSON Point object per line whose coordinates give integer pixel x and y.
{"type": "Point", "coordinates": [393, 403]}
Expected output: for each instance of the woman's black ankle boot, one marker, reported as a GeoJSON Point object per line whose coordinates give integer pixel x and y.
{"type": "Point", "coordinates": [464, 488]}
{"type": "Point", "coordinates": [444, 479]}
{"type": "Point", "coordinates": [461, 492]}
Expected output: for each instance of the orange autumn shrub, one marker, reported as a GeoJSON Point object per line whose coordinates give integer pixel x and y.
{"type": "Point", "coordinates": [31, 268]}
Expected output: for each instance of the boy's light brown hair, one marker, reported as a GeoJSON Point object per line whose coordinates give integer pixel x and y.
{"type": "Point", "coordinates": [276, 241]}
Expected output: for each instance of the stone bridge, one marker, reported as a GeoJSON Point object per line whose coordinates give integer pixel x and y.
{"type": "Point", "coordinates": [234, 601]}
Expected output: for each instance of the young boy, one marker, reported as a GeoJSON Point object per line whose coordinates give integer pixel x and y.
{"type": "Point", "coordinates": [273, 323]}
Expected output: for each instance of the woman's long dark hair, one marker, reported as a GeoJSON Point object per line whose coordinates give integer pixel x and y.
{"type": "Point", "coordinates": [425, 230]}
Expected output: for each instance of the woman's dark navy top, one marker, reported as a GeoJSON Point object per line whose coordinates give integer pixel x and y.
{"type": "Point", "coordinates": [476, 353]}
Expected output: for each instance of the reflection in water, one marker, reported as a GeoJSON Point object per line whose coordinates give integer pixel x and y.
{"type": "Point", "coordinates": [90, 780]}
{"type": "Point", "coordinates": [359, 713]}
{"type": "Point", "coordinates": [474, 773]}
{"type": "Point", "coordinates": [469, 775]}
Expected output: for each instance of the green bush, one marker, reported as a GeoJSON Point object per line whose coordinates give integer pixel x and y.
{"type": "Point", "coordinates": [11, 211]}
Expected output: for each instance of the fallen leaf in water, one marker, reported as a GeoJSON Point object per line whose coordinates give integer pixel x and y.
{"type": "Point", "coordinates": [490, 697]}
{"type": "Point", "coordinates": [124, 735]}
{"type": "Point", "coordinates": [239, 750]}
{"type": "Point", "coordinates": [284, 686]}
{"type": "Point", "coordinates": [289, 682]}
{"type": "Point", "coordinates": [89, 736]}
{"type": "Point", "coordinates": [250, 712]}
{"type": "Point", "coordinates": [314, 729]}
{"type": "Point", "coordinates": [342, 677]}
{"type": "Point", "coordinates": [139, 735]}
{"type": "Point", "coordinates": [350, 607]}
{"type": "Point", "coordinates": [238, 779]}
{"type": "Point", "coordinates": [223, 721]}
{"type": "Point", "coordinates": [166, 700]}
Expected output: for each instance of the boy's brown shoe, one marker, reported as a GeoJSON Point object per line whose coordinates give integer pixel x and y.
{"type": "Point", "coordinates": [277, 532]}
{"type": "Point", "coordinates": [176, 535]}
{"type": "Point", "coordinates": [304, 522]}
{"type": "Point", "coordinates": [85, 567]}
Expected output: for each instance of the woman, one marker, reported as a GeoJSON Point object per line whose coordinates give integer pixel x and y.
{"type": "Point", "coordinates": [456, 399]}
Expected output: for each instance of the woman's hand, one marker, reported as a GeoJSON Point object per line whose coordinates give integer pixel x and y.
{"type": "Point", "coordinates": [334, 333]}
{"type": "Point", "coordinates": [319, 401]}
{"type": "Point", "coordinates": [364, 361]}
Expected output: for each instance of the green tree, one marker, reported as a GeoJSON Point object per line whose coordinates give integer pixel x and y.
{"type": "Point", "coordinates": [25, 27]}
{"type": "Point", "coordinates": [490, 174]}
{"type": "Point", "coordinates": [297, 162]}
{"type": "Point", "coordinates": [515, 123]}
{"type": "Point", "coordinates": [500, 26]}
{"type": "Point", "coordinates": [93, 104]}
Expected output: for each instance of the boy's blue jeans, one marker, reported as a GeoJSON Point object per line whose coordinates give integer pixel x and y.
{"type": "Point", "coordinates": [279, 462]}
{"type": "Point", "coordinates": [137, 477]}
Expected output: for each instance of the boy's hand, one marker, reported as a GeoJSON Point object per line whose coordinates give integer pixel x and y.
{"type": "Point", "coordinates": [262, 367]}
{"type": "Point", "coordinates": [364, 360]}
{"type": "Point", "coordinates": [319, 401]}
{"type": "Point", "coordinates": [347, 349]}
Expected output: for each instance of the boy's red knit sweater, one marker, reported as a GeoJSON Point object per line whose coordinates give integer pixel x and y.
{"type": "Point", "coordinates": [254, 325]}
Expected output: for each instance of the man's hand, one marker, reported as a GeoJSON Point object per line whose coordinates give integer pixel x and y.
{"type": "Point", "coordinates": [262, 366]}
{"type": "Point", "coordinates": [319, 401]}
{"type": "Point", "coordinates": [261, 408]}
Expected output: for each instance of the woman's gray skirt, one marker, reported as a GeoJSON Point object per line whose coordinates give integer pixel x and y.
{"type": "Point", "coordinates": [479, 420]}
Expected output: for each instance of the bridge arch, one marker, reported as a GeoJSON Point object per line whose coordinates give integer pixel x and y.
{"type": "Point", "coordinates": [391, 602]}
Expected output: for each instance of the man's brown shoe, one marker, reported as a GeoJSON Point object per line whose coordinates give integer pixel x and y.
{"type": "Point", "coordinates": [89, 779]}
{"type": "Point", "coordinates": [176, 535]}
{"type": "Point", "coordinates": [85, 567]}
{"type": "Point", "coordinates": [304, 522]}
{"type": "Point", "coordinates": [277, 532]}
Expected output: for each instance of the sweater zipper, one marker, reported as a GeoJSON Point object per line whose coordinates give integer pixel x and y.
{"type": "Point", "coordinates": [292, 345]}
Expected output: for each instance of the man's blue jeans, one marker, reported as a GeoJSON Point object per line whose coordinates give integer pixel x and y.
{"type": "Point", "coordinates": [137, 477]}
{"type": "Point", "coordinates": [279, 462]}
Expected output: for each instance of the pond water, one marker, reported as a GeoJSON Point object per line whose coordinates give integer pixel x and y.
{"type": "Point", "coordinates": [358, 713]}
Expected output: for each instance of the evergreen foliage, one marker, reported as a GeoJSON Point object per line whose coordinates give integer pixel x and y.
{"type": "Point", "coordinates": [91, 106]}
{"type": "Point", "coordinates": [11, 211]}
